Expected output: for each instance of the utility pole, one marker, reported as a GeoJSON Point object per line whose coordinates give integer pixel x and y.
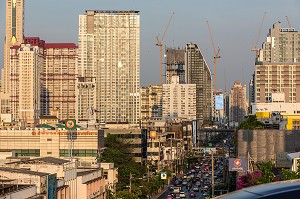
{"type": "Point", "coordinates": [130, 182]}
{"type": "Point", "coordinates": [212, 174]}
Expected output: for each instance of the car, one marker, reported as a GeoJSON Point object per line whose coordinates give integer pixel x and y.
{"type": "Point", "coordinates": [281, 189]}
{"type": "Point", "coordinates": [169, 197]}
{"type": "Point", "coordinates": [177, 190]}
{"type": "Point", "coordinates": [171, 188]}
{"type": "Point", "coordinates": [196, 189]}
{"type": "Point", "coordinates": [192, 195]}
{"type": "Point", "coordinates": [182, 194]}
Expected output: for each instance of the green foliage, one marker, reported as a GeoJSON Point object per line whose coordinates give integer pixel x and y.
{"type": "Point", "coordinates": [118, 151]}
{"type": "Point", "coordinates": [267, 174]}
{"type": "Point", "coordinates": [251, 123]}
{"type": "Point", "coordinates": [291, 175]}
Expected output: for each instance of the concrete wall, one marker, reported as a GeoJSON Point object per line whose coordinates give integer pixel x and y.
{"type": "Point", "coordinates": [268, 145]}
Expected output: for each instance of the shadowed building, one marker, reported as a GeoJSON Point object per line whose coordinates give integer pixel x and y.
{"type": "Point", "coordinates": [197, 72]}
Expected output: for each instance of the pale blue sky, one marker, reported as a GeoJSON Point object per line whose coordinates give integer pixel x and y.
{"type": "Point", "coordinates": [235, 25]}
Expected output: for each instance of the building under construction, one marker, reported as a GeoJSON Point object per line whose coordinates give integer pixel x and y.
{"type": "Point", "coordinates": [175, 64]}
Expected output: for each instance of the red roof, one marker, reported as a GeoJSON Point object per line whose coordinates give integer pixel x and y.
{"type": "Point", "coordinates": [14, 47]}
{"type": "Point", "coordinates": [34, 41]}
{"type": "Point", "coordinates": [60, 45]}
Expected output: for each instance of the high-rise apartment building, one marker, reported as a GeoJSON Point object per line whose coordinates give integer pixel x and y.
{"type": "Point", "coordinates": [277, 67]}
{"type": "Point", "coordinates": [179, 100]}
{"type": "Point", "coordinates": [51, 82]}
{"type": "Point", "coordinates": [238, 104]}
{"type": "Point", "coordinates": [109, 66]}
{"type": "Point", "coordinates": [197, 72]}
{"type": "Point", "coordinates": [59, 79]}
{"type": "Point", "coordinates": [13, 35]}
{"type": "Point", "coordinates": [151, 102]}
{"type": "Point", "coordinates": [25, 87]}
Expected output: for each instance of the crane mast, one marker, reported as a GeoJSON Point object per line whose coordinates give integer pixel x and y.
{"type": "Point", "coordinates": [216, 56]}
{"type": "Point", "coordinates": [159, 42]}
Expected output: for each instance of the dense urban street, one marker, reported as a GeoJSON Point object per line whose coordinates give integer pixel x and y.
{"type": "Point", "coordinates": [201, 173]}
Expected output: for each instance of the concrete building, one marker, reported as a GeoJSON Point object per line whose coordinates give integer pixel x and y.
{"type": "Point", "coordinates": [277, 65]}
{"type": "Point", "coordinates": [51, 69]}
{"type": "Point", "coordinates": [109, 66]}
{"type": "Point", "coordinates": [59, 79]}
{"type": "Point", "coordinates": [276, 103]}
{"type": "Point", "coordinates": [14, 33]}
{"type": "Point", "coordinates": [10, 189]}
{"type": "Point", "coordinates": [238, 104]}
{"type": "Point", "coordinates": [137, 138]}
{"type": "Point", "coordinates": [25, 85]}
{"type": "Point", "coordinates": [179, 100]}
{"type": "Point", "coordinates": [197, 72]}
{"type": "Point", "coordinates": [69, 181]}
{"type": "Point", "coordinates": [151, 102]}
{"type": "Point", "coordinates": [110, 173]}
{"type": "Point", "coordinates": [41, 142]}
{"type": "Point", "coordinates": [175, 64]}
{"type": "Point", "coordinates": [90, 184]}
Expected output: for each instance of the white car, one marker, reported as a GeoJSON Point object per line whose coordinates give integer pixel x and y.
{"type": "Point", "coordinates": [182, 195]}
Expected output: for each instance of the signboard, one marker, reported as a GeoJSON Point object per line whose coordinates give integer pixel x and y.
{"type": "Point", "coordinates": [219, 102]}
{"type": "Point", "coordinates": [70, 124]}
{"type": "Point", "coordinates": [163, 175]}
{"type": "Point", "coordinates": [152, 134]}
{"type": "Point", "coordinates": [194, 132]}
{"type": "Point", "coordinates": [238, 164]}
{"type": "Point", "coordinates": [281, 160]}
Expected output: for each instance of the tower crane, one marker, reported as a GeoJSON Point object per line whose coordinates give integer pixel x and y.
{"type": "Point", "coordinates": [216, 56]}
{"type": "Point", "coordinates": [288, 21]}
{"type": "Point", "coordinates": [258, 36]}
{"type": "Point", "coordinates": [159, 42]}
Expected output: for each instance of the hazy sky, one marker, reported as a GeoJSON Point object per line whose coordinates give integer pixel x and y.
{"type": "Point", "coordinates": [234, 23]}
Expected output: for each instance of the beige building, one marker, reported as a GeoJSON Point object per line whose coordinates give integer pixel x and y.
{"type": "Point", "coordinates": [25, 85]}
{"type": "Point", "coordinates": [277, 65]}
{"type": "Point", "coordinates": [109, 60]}
{"type": "Point", "coordinates": [179, 100]}
{"type": "Point", "coordinates": [238, 104]}
{"type": "Point", "coordinates": [151, 102]}
{"type": "Point", "coordinates": [110, 173]}
{"type": "Point", "coordinates": [59, 80]}
{"type": "Point", "coordinates": [13, 35]}
{"type": "Point", "coordinates": [55, 143]}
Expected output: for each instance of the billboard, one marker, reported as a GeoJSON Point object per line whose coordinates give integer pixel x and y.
{"type": "Point", "coordinates": [194, 132]}
{"type": "Point", "coordinates": [219, 102]}
{"type": "Point", "coordinates": [238, 164]}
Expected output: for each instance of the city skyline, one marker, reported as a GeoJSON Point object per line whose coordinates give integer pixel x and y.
{"type": "Point", "coordinates": [235, 28]}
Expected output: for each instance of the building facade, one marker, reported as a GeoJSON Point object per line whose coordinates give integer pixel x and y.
{"type": "Point", "coordinates": [175, 64]}
{"type": "Point", "coordinates": [151, 102]}
{"type": "Point", "coordinates": [179, 100]}
{"type": "Point", "coordinates": [238, 104]}
{"type": "Point", "coordinates": [277, 67]}
{"type": "Point", "coordinates": [109, 56]}
{"type": "Point", "coordinates": [197, 72]}
{"type": "Point", "coordinates": [13, 35]}
{"type": "Point", "coordinates": [59, 79]}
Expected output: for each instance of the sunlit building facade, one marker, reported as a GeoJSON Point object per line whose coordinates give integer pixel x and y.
{"type": "Point", "coordinates": [109, 60]}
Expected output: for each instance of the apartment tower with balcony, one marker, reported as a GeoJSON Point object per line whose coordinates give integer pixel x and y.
{"type": "Point", "coordinates": [109, 66]}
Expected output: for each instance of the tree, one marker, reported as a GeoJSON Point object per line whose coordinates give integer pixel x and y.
{"type": "Point", "coordinates": [251, 123]}
{"type": "Point", "coordinates": [264, 175]}
{"type": "Point", "coordinates": [119, 151]}
{"type": "Point", "coordinates": [291, 175]}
